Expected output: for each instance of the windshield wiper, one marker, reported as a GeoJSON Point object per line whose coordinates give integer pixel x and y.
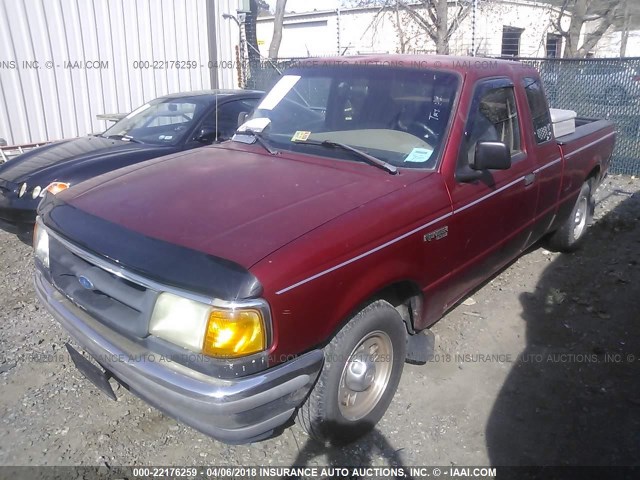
{"type": "Point", "coordinates": [370, 159]}
{"type": "Point", "coordinates": [259, 138]}
{"type": "Point", "coordinates": [128, 138]}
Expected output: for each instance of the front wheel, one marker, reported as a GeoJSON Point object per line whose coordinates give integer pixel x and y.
{"type": "Point", "coordinates": [567, 237]}
{"type": "Point", "coordinates": [362, 369]}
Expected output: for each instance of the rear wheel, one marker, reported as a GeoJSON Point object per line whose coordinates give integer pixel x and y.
{"type": "Point", "coordinates": [567, 237]}
{"type": "Point", "coordinates": [363, 365]}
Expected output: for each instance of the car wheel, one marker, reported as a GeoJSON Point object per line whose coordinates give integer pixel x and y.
{"type": "Point", "coordinates": [363, 365]}
{"type": "Point", "coordinates": [567, 237]}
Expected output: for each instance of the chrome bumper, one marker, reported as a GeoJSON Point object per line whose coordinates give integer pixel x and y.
{"type": "Point", "coordinates": [233, 411]}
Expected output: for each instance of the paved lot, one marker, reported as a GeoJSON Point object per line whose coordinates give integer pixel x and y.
{"type": "Point", "coordinates": [542, 369]}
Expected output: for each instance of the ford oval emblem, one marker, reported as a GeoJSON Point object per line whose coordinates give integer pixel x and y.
{"type": "Point", "coordinates": [85, 282]}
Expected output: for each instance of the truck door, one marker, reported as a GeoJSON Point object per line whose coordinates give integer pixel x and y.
{"type": "Point", "coordinates": [493, 215]}
{"type": "Point", "coordinates": [548, 169]}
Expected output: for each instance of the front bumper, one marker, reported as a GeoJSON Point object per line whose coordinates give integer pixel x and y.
{"type": "Point", "coordinates": [233, 411]}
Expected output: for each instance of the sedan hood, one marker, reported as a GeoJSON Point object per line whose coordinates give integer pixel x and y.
{"type": "Point", "coordinates": [233, 204]}
{"type": "Point", "coordinates": [58, 161]}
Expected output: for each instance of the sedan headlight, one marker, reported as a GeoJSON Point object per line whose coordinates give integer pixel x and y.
{"type": "Point", "coordinates": [41, 243]}
{"type": "Point", "coordinates": [212, 330]}
{"type": "Point", "coordinates": [23, 189]}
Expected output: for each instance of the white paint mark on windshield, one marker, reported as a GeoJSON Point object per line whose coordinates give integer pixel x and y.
{"type": "Point", "coordinates": [278, 92]}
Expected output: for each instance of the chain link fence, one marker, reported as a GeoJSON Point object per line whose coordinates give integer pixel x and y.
{"type": "Point", "coordinates": [599, 88]}
{"type": "Point", "coordinates": [594, 88]}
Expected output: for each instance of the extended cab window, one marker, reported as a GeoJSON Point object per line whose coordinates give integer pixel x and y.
{"type": "Point", "coordinates": [494, 118]}
{"type": "Point", "coordinates": [539, 110]}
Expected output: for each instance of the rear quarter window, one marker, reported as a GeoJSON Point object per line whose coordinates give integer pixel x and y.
{"type": "Point", "coordinates": [541, 119]}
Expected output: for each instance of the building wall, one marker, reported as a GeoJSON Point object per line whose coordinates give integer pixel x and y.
{"type": "Point", "coordinates": [306, 34]}
{"type": "Point", "coordinates": [363, 30]}
{"type": "Point", "coordinates": [609, 45]}
{"type": "Point", "coordinates": [53, 101]}
{"type": "Point", "coordinates": [534, 18]}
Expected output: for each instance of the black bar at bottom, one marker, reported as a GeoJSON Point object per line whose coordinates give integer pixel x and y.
{"type": "Point", "coordinates": [318, 472]}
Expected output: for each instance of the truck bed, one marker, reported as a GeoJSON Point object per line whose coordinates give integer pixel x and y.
{"type": "Point", "coordinates": [584, 128]}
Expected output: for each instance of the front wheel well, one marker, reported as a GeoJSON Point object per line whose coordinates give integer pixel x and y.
{"type": "Point", "coordinates": [407, 298]}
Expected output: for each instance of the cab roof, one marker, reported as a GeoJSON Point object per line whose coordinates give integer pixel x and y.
{"type": "Point", "coordinates": [459, 64]}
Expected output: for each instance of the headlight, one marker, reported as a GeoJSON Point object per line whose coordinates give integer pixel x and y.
{"type": "Point", "coordinates": [41, 243]}
{"type": "Point", "coordinates": [56, 187]}
{"type": "Point", "coordinates": [215, 331]}
{"type": "Point", "coordinates": [23, 189]}
{"type": "Point", "coordinates": [36, 192]}
{"type": "Point", "coordinates": [180, 321]}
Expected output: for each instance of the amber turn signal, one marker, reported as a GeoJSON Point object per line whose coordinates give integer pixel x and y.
{"type": "Point", "coordinates": [234, 333]}
{"type": "Point", "coordinates": [56, 187]}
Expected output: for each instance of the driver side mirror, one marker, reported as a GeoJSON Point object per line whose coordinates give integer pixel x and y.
{"type": "Point", "coordinates": [487, 156]}
{"type": "Point", "coordinates": [206, 135]}
{"type": "Point", "coordinates": [491, 156]}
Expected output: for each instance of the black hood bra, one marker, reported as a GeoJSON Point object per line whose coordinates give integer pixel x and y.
{"type": "Point", "coordinates": [160, 261]}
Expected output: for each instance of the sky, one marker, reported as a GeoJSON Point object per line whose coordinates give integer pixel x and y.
{"type": "Point", "coordinates": [307, 5]}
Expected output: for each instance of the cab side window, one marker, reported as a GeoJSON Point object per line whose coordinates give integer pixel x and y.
{"type": "Point", "coordinates": [540, 116]}
{"type": "Point", "coordinates": [494, 119]}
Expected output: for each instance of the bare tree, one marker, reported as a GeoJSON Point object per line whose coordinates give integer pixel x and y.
{"type": "Point", "coordinates": [626, 25]}
{"type": "Point", "coordinates": [597, 13]}
{"type": "Point", "coordinates": [431, 16]}
{"type": "Point", "coordinates": [278, 19]}
{"type": "Point", "coordinates": [251, 30]}
{"type": "Point", "coordinates": [402, 38]}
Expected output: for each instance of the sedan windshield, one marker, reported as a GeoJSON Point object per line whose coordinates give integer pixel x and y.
{"type": "Point", "coordinates": [397, 115]}
{"type": "Point", "coordinates": [161, 121]}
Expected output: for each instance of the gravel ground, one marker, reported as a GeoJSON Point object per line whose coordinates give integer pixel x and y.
{"type": "Point", "coordinates": [539, 366]}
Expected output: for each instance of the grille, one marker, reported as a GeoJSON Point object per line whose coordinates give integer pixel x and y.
{"type": "Point", "coordinates": [116, 302]}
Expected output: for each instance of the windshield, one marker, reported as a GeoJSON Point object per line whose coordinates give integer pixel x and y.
{"type": "Point", "coordinates": [160, 122]}
{"type": "Point", "coordinates": [398, 115]}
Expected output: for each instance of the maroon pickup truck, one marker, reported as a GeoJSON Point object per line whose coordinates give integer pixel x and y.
{"type": "Point", "coordinates": [295, 268]}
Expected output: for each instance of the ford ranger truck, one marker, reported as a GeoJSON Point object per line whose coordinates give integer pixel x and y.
{"type": "Point", "coordinates": [291, 271]}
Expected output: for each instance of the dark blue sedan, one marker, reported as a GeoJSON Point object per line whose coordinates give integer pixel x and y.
{"type": "Point", "coordinates": [163, 126]}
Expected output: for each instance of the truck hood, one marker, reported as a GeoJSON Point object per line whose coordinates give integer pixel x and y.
{"type": "Point", "coordinates": [234, 204]}
{"type": "Point", "coordinates": [61, 160]}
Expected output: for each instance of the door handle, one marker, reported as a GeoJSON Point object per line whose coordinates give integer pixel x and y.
{"type": "Point", "coordinates": [529, 179]}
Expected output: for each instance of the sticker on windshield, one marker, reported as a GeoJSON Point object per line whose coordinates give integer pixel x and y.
{"type": "Point", "coordinates": [278, 92]}
{"type": "Point", "coordinates": [300, 136]}
{"type": "Point", "coordinates": [419, 155]}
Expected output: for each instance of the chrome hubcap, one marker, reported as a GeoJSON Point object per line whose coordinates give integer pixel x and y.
{"type": "Point", "coordinates": [580, 219]}
{"type": "Point", "coordinates": [365, 376]}
{"type": "Point", "coordinates": [360, 374]}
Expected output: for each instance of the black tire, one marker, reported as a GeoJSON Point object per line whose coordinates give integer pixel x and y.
{"type": "Point", "coordinates": [321, 416]}
{"type": "Point", "coordinates": [567, 238]}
